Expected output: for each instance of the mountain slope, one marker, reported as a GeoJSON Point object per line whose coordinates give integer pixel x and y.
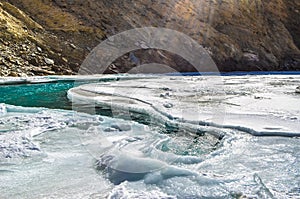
{"type": "Point", "coordinates": [241, 35]}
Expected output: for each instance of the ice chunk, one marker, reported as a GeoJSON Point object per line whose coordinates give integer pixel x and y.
{"type": "Point", "coordinates": [126, 167]}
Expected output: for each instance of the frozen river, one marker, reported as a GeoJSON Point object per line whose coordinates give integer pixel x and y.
{"type": "Point", "coordinates": [150, 137]}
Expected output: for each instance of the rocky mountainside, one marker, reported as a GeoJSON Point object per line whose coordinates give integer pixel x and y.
{"type": "Point", "coordinates": [40, 37]}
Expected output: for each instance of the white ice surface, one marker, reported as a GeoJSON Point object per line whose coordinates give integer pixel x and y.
{"type": "Point", "coordinates": [260, 105]}
{"type": "Point", "coordinates": [52, 154]}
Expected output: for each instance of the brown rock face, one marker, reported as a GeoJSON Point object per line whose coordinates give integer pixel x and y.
{"type": "Point", "coordinates": [240, 35]}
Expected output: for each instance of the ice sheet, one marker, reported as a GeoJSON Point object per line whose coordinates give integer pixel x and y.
{"type": "Point", "coordinates": [64, 154]}
{"type": "Point", "coordinates": [259, 105]}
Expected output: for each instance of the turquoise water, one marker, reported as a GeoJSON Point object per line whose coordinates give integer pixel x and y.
{"type": "Point", "coordinates": [48, 95]}
{"type": "Point", "coordinates": [54, 96]}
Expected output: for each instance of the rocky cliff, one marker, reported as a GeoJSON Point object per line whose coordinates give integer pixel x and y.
{"type": "Point", "coordinates": [40, 37]}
